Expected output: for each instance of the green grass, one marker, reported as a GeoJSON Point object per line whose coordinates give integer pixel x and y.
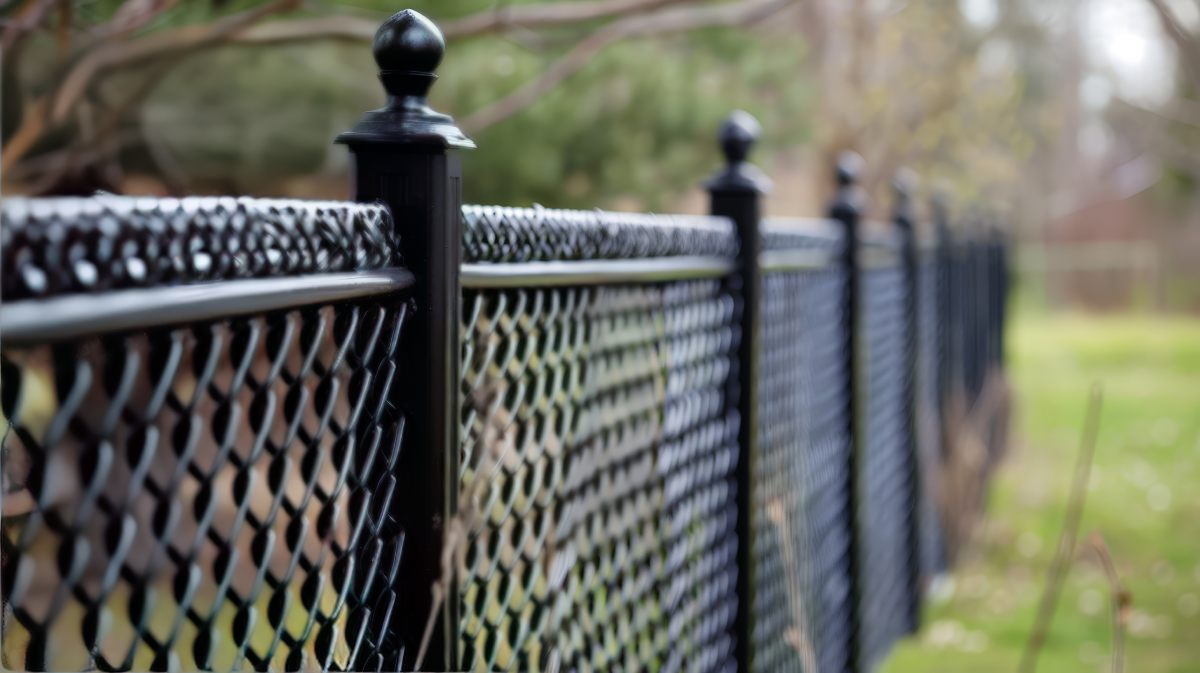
{"type": "Point", "coordinates": [1143, 498]}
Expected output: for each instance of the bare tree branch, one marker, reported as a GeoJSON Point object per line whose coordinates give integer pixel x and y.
{"type": "Point", "coordinates": [28, 17]}
{"type": "Point", "coordinates": [108, 51]}
{"type": "Point", "coordinates": [501, 19]}
{"type": "Point", "coordinates": [1178, 110]}
{"type": "Point", "coordinates": [1187, 43]}
{"type": "Point", "coordinates": [132, 15]}
{"type": "Point", "coordinates": [33, 123]}
{"type": "Point", "coordinates": [99, 145]}
{"type": "Point", "coordinates": [350, 28]}
{"type": "Point", "coordinates": [53, 108]}
{"type": "Point", "coordinates": [1150, 127]}
{"type": "Point", "coordinates": [667, 21]}
{"type": "Point", "coordinates": [1174, 154]}
{"type": "Point", "coordinates": [543, 16]}
{"type": "Point", "coordinates": [175, 41]}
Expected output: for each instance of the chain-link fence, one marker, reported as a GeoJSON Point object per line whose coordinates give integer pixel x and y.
{"type": "Point", "coordinates": [598, 449]}
{"type": "Point", "coordinates": [803, 615]}
{"type": "Point", "coordinates": [206, 491]}
{"type": "Point", "coordinates": [412, 435]}
{"type": "Point", "coordinates": [213, 485]}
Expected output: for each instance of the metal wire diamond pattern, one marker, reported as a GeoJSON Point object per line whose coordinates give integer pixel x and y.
{"type": "Point", "coordinates": [885, 470]}
{"type": "Point", "coordinates": [802, 611]}
{"type": "Point", "coordinates": [209, 497]}
{"type": "Point", "coordinates": [598, 455]}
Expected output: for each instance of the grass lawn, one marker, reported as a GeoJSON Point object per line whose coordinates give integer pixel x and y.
{"type": "Point", "coordinates": [1143, 498]}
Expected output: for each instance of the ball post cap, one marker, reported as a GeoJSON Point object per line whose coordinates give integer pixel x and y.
{"type": "Point", "coordinates": [409, 43]}
{"type": "Point", "coordinates": [849, 166]}
{"type": "Point", "coordinates": [737, 136]}
{"type": "Point", "coordinates": [903, 184]}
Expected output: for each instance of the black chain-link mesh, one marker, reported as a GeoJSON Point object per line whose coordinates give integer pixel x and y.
{"type": "Point", "coordinates": [802, 530]}
{"type": "Point", "coordinates": [503, 234]}
{"type": "Point", "coordinates": [598, 459]}
{"type": "Point", "coordinates": [885, 470]}
{"type": "Point", "coordinates": [214, 496]}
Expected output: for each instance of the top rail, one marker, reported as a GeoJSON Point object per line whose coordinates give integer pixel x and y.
{"type": "Point", "coordinates": [70, 246]}
{"type": "Point", "coordinates": [78, 266]}
{"type": "Point", "coordinates": [593, 272]}
{"type": "Point", "coordinates": [29, 323]}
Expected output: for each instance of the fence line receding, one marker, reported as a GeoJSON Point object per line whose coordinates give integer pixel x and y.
{"type": "Point", "coordinates": [403, 432]}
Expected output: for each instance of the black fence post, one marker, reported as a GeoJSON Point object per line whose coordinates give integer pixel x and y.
{"type": "Point", "coordinates": [404, 158]}
{"type": "Point", "coordinates": [905, 220]}
{"type": "Point", "coordinates": [969, 303]}
{"type": "Point", "coordinates": [977, 301]}
{"type": "Point", "coordinates": [847, 207]}
{"type": "Point", "coordinates": [942, 297]}
{"type": "Point", "coordinates": [736, 192]}
{"type": "Point", "coordinates": [1000, 280]}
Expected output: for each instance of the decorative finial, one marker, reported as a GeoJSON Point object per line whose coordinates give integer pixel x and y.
{"type": "Point", "coordinates": [408, 48]}
{"type": "Point", "coordinates": [849, 166]}
{"type": "Point", "coordinates": [849, 202]}
{"type": "Point", "coordinates": [737, 136]}
{"type": "Point", "coordinates": [903, 183]}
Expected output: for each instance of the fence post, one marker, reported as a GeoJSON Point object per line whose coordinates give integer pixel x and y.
{"type": "Point", "coordinates": [976, 302]}
{"type": "Point", "coordinates": [404, 157]}
{"type": "Point", "coordinates": [736, 192]}
{"type": "Point", "coordinates": [968, 296]}
{"type": "Point", "coordinates": [942, 294]}
{"type": "Point", "coordinates": [847, 207]}
{"type": "Point", "coordinates": [905, 221]}
{"type": "Point", "coordinates": [1000, 280]}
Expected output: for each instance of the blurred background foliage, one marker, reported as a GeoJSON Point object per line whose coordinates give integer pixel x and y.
{"type": "Point", "coordinates": [1076, 121]}
{"type": "Point", "coordinates": [632, 124]}
{"type": "Point", "coordinates": [635, 122]}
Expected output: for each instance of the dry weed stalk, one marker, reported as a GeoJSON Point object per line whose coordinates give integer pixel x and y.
{"type": "Point", "coordinates": [496, 440]}
{"type": "Point", "coordinates": [974, 441]}
{"type": "Point", "coordinates": [797, 635]}
{"type": "Point", "coordinates": [495, 448]}
{"type": "Point", "coordinates": [1065, 552]}
{"type": "Point", "coordinates": [1120, 597]}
